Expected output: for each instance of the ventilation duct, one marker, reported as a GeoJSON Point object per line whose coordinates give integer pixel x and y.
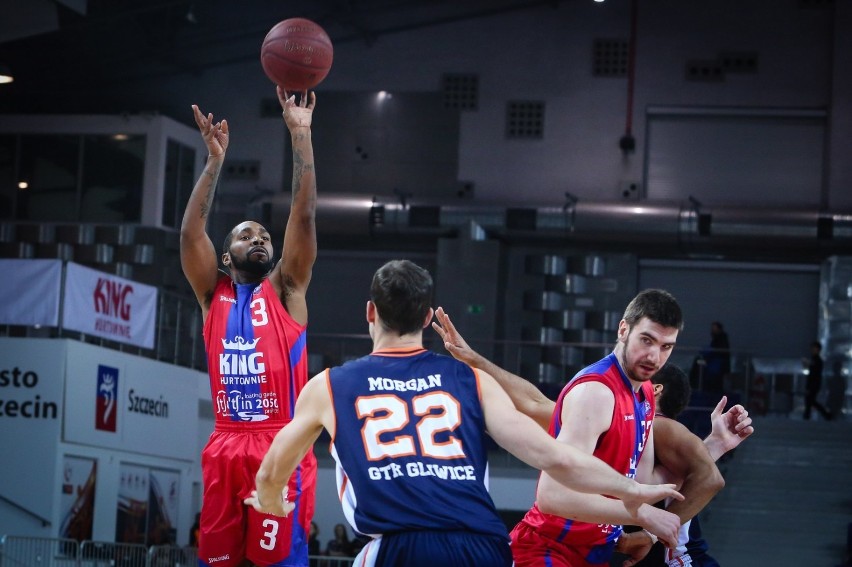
{"type": "Point", "coordinates": [630, 223]}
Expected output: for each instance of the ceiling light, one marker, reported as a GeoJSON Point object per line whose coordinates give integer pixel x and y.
{"type": "Point", "coordinates": [5, 74]}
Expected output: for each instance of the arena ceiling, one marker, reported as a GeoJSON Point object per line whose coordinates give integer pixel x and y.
{"type": "Point", "coordinates": [64, 52]}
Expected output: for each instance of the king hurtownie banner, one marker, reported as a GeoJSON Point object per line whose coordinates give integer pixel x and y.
{"type": "Point", "coordinates": [107, 306]}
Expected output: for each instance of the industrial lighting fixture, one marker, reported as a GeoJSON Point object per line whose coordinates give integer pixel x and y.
{"type": "Point", "coordinates": [5, 74]}
{"type": "Point", "coordinates": [377, 214]}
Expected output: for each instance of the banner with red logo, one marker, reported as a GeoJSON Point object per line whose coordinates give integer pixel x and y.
{"type": "Point", "coordinates": [107, 306]}
{"type": "Point", "coordinates": [30, 292]}
{"type": "Point", "coordinates": [77, 503]}
{"type": "Point", "coordinates": [129, 403]}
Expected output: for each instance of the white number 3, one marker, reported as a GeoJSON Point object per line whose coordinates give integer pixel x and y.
{"type": "Point", "coordinates": [258, 308]}
{"type": "Point", "coordinates": [268, 542]}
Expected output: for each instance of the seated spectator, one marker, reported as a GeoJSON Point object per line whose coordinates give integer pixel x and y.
{"type": "Point", "coordinates": [314, 545]}
{"type": "Point", "coordinates": [339, 546]}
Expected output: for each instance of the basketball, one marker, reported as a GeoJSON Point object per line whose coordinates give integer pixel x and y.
{"type": "Point", "coordinates": [296, 54]}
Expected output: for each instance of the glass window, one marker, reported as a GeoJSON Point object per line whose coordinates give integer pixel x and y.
{"type": "Point", "coordinates": [113, 173]}
{"type": "Point", "coordinates": [50, 168]}
{"type": "Point", "coordinates": [179, 180]}
{"type": "Point", "coordinates": [8, 183]}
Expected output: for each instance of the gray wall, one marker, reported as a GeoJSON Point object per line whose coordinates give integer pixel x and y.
{"type": "Point", "coordinates": [545, 54]}
{"type": "Point", "coordinates": [767, 310]}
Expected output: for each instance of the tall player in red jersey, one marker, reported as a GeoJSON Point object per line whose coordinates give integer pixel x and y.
{"type": "Point", "coordinates": [680, 456]}
{"type": "Point", "coordinates": [254, 331]}
{"type": "Point", "coordinates": [606, 410]}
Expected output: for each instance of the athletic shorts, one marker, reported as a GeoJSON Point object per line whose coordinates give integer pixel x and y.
{"type": "Point", "coordinates": [232, 531]}
{"type": "Point", "coordinates": [436, 549]}
{"type": "Point", "coordinates": [530, 549]}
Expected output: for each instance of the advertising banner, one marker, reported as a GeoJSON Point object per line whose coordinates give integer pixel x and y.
{"type": "Point", "coordinates": [132, 511]}
{"type": "Point", "coordinates": [110, 307]}
{"type": "Point", "coordinates": [77, 503]}
{"type": "Point", "coordinates": [163, 507]}
{"type": "Point", "coordinates": [31, 376]}
{"type": "Point", "coordinates": [30, 292]}
{"type": "Point", "coordinates": [130, 403]}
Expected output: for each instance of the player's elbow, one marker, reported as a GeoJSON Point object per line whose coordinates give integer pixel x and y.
{"type": "Point", "coordinates": [717, 481]}
{"type": "Point", "coordinates": [713, 481]}
{"type": "Point", "coordinates": [558, 463]}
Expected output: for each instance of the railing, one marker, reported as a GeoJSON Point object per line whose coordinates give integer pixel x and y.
{"type": "Point", "coordinates": [327, 561]}
{"type": "Point", "coordinates": [19, 551]}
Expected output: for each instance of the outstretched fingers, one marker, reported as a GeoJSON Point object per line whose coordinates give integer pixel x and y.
{"type": "Point", "coordinates": [445, 328]}
{"type": "Point", "coordinates": [311, 99]}
{"type": "Point", "coordinates": [720, 407]}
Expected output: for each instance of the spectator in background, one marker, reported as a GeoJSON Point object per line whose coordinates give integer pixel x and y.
{"type": "Point", "coordinates": [340, 545]}
{"type": "Point", "coordinates": [314, 545]}
{"type": "Point", "coordinates": [717, 359]}
{"type": "Point", "coordinates": [194, 530]}
{"type": "Point", "coordinates": [814, 383]}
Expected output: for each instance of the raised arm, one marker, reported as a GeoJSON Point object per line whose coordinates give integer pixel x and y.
{"type": "Point", "coordinates": [567, 466]}
{"type": "Point", "coordinates": [312, 413]}
{"type": "Point", "coordinates": [527, 398]}
{"type": "Point", "coordinates": [197, 253]}
{"type": "Point", "coordinates": [293, 272]}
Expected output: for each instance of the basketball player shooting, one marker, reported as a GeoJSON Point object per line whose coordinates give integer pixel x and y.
{"type": "Point", "coordinates": [255, 317]}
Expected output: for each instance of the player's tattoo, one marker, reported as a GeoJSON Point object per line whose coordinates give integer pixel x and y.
{"type": "Point", "coordinates": [211, 190]}
{"type": "Point", "coordinates": [299, 169]}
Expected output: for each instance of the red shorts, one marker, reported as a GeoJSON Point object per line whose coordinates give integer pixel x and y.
{"type": "Point", "coordinates": [232, 531]}
{"type": "Point", "coordinates": [531, 549]}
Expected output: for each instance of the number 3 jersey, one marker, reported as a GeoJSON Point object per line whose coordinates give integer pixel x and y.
{"type": "Point", "coordinates": [410, 444]}
{"type": "Point", "coordinates": [256, 356]}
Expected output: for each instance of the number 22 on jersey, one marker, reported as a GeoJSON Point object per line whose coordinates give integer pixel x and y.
{"type": "Point", "coordinates": [387, 414]}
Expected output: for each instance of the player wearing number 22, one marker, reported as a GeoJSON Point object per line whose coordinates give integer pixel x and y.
{"type": "Point", "coordinates": [255, 320]}
{"type": "Point", "coordinates": [408, 435]}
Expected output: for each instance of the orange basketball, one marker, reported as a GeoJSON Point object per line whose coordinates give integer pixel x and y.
{"type": "Point", "coordinates": [296, 54]}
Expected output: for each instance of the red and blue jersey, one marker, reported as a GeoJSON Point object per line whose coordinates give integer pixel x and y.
{"type": "Point", "coordinates": [410, 445]}
{"type": "Point", "coordinates": [620, 446]}
{"type": "Point", "coordinates": [257, 364]}
{"type": "Point", "coordinates": [256, 356]}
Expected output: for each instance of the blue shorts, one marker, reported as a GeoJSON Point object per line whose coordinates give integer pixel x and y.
{"type": "Point", "coordinates": [431, 548]}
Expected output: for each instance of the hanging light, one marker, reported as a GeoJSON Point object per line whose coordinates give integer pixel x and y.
{"type": "Point", "coordinates": [5, 74]}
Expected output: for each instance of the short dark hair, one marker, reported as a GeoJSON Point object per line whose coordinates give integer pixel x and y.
{"type": "Point", "coordinates": [676, 390]}
{"type": "Point", "coordinates": [817, 345]}
{"type": "Point", "coordinates": [658, 305]}
{"type": "Point", "coordinates": [229, 238]}
{"type": "Point", "coordinates": [226, 246]}
{"type": "Point", "coordinates": [402, 293]}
